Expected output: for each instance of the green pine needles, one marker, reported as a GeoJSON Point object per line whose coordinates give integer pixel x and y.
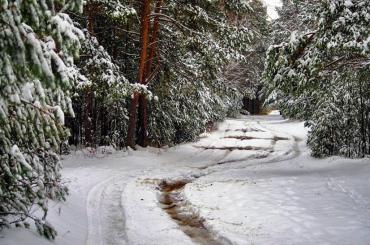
{"type": "Point", "coordinates": [37, 46]}
{"type": "Point", "coordinates": [322, 76]}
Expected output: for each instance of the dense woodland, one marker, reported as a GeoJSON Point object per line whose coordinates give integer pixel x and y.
{"type": "Point", "coordinates": [160, 72]}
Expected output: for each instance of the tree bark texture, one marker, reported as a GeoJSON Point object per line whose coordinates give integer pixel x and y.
{"type": "Point", "coordinates": [144, 40]}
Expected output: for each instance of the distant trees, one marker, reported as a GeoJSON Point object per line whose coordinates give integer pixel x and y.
{"type": "Point", "coordinates": [38, 42]}
{"type": "Point", "coordinates": [246, 75]}
{"type": "Point", "coordinates": [197, 40]}
{"type": "Point", "coordinates": [321, 75]}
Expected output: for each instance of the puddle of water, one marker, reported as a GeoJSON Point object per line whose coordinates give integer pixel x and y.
{"type": "Point", "coordinates": [175, 206]}
{"type": "Point", "coordinates": [241, 137]}
{"type": "Point", "coordinates": [233, 148]}
{"type": "Point", "coordinates": [245, 130]}
{"type": "Point", "coordinates": [276, 138]}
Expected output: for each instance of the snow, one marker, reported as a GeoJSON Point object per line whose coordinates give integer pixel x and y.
{"type": "Point", "coordinates": [296, 202]}
{"type": "Point", "coordinates": [272, 193]}
{"type": "Point", "coordinates": [366, 44]}
{"type": "Point", "coordinates": [271, 8]}
{"type": "Point", "coordinates": [59, 114]}
{"type": "Point", "coordinates": [27, 91]}
{"type": "Point", "coordinates": [16, 153]}
{"type": "Point", "coordinates": [348, 3]}
{"type": "Point", "coordinates": [274, 112]}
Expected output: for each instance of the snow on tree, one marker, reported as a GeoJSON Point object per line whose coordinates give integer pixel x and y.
{"type": "Point", "coordinates": [339, 126]}
{"type": "Point", "coordinates": [321, 75]}
{"type": "Point", "coordinates": [197, 42]}
{"type": "Point", "coordinates": [189, 49]}
{"type": "Point", "coordinates": [37, 44]}
{"type": "Point", "coordinates": [110, 90]}
{"type": "Point", "coordinates": [115, 9]}
{"type": "Point", "coordinates": [294, 15]}
{"type": "Point", "coordinates": [246, 76]}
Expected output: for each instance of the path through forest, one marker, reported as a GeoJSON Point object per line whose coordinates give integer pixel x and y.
{"type": "Point", "coordinates": [251, 181]}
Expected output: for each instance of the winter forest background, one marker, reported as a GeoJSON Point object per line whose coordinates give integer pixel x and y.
{"type": "Point", "coordinates": [161, 72]}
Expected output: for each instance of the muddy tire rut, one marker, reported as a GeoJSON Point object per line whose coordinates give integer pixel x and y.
{"type": "Point", "coordinates": [173, 202]}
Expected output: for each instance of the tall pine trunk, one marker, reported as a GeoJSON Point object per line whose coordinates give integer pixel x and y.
{"type": "Point", "coordinates": [143, 103]}
{"type": "Point", "coordinates": [144, 39]}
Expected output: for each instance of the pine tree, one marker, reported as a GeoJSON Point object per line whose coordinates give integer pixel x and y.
{"type": "Point", "coordinates": [37, 44]}
{"type": "Point", "coordinates": [294, 16]}
{"type": "Point", "coordinates": [102, 97]}
{"type": "Point", "coordinates": [320, 76]}
{"type": "Point", "coordinates": [102, 78]}
{"type": "Point", "coordinates": [198, 41]}
{"type": "Point", "coordinates": [189, 45]}
{"type": "Point", "coordinates": [246, 76]}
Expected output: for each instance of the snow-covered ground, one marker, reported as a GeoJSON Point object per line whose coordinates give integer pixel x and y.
{"type": "Point", "coordinates": [250, 182]}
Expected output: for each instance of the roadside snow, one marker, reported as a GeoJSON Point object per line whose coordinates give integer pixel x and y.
{"type": "Point", "coordinates": [301, 201]}
{"type": "Point", "coordinates": [251, 182]}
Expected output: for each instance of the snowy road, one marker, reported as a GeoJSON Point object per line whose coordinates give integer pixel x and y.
{"type": "Point", "coordinates": [250, 182]}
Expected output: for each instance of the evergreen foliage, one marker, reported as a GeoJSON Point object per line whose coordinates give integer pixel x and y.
{"type": "Point", "coordinates": [294, 15]}
{"type": "Point", "coordinates": [102, 77]}
{"type": "Point", "coordinates": [37, 46]}
{"type": "Point", "coordinates": [193, 90]}
{"type": "Point", "coordinates": [319, 75]}
{"type": "Point", "coordinates": [246, 76]}
{"type": "Point", "coordinates": [196, 42]}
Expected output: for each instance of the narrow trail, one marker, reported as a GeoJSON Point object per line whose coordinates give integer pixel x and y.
{"type": "Point", "coordinates": [173, 201]}
{"type": "Point", "coordinates": [106, 212]}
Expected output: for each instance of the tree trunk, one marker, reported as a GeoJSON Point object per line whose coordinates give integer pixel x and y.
{"type": "Point", "coordinates": [88, 93]}
{"type": "Point", "coordinates": [144, 39]}
{"type": "Point", "coordinates": [143, 103]}
{"type": "Point", "coordinates": [153, 40]}
{"type": "Point", "coordinates": [87, 117]}
{"type": "Point", "coordinates": [143, 122]}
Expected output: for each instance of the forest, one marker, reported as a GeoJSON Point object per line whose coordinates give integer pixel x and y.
{"type": "Point", "coordinates": [159, 74]}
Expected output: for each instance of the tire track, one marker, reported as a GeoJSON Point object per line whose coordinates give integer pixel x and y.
{"type": "Point", "coordinates": [93, 208]}
{"type": "Point", "coordinates": [105, 212]}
